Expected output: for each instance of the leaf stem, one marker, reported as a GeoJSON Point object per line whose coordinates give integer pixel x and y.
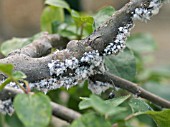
{"type": "Point", "coordinates": [25, 91]}
{"type": "Point", "coordinates": [8, 80]}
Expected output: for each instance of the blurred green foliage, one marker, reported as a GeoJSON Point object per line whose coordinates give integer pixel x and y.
{"type": "Point", "coordinates": [33, 110]}
{"type": "Point", "coordinates": [125, 110]}
{"type": "Point", "coordinates": [13, 76]}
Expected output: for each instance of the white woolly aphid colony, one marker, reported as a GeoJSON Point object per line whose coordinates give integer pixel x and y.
{"type": "Point", "coordinates": [72, 71]}
{"type": "Point", "coordinates": [6, 107]}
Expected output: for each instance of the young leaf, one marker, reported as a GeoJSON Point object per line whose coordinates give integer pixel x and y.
{"type": "Point", "coordinates": [51, 14]}
{"type": "Point", "coordinates": [103, 15]}
{"type": "Point", "coordinates": [91, 120]}
{"type": "Point", "coordinates": [58, 3]}
{"type": "Point", "coordinates": [122, 65]}
{"type": "Point", "coordinates": [162, 118]}
{"type": "Point", "coordinates": [84, 22]}
{"type": "Point", "coordinates": [33, 110]}
{"type": "Point", "coordinates": [17, 75]}
{"type": "Point", "coordinates": [80, 20]}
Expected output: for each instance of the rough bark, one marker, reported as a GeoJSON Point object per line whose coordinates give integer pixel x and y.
{"type": "Point", "coordinates": [36, 68]}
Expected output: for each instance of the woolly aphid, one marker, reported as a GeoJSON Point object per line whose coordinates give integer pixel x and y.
{"type": "Point", "coordinates": [72, 71]}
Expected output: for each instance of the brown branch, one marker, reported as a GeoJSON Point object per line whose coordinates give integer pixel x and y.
{"type": "Point", "coordinates": [64, 113]}
{"type": "Point", "coordinates": [42, 46]}
{"type": "Point", "coordinates": [59, 111]}
{"type": "Point", "coordinates": [133, 88]}
{"type": "Point", "coordinates": [36, 69]}
{"type": "Point", "coordinates": [56, 122]}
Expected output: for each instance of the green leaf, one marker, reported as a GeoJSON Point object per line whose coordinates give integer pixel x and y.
{"type": "Point", "coordinates": [51, 14]}
{"type": "Point", "coordinates": [156, 74]}
{"type": "Point", "coordinates": [13, 121]}
{"type": "Point", "coordinates": [162, 118]}
{"type": "Point", "coordinates": [75, 14]}
{"type": "Point", "coordinates": [15, 43]}
{"type": "Point", "coordinates": [107, 108]}
{"type": "Point", "coordinates": [58, 3]}
{"type": "Point", "coordinates": [17, 75]}
{"type": "Point", "coordinates": [141, 43]}
{"type": "Point", "coordinates": [91, 120]}
{"type": "Point", "coordinates": [8, 80]}
{"type": "Point", "coordinates": [88, 102]}
{"type": "Point", "coordinates": [103, 15]}
{"type": "Point", "coordinates": [1, 122]}
{"type": "Point", "coordinates": [163, 71]}
{"type": "Point", "coordinates": [6, 69]}
{"type": "Point", "coordinates": [117, 101]}
{"type": "Point", "coordinates": [161, 90]}
{"type": "Point", "coordinates": [85, 103]}
{"type": "Point", "coordinates": [83, 22]}
{"type": "Point", "coordinates": [104, 108]}
{"type": "Point", "coordinates": [68, 30]}
{"type": "Point", "coordinates": [81, 19]}
{"type": "Point", "coordinates": [33, 110]}
{"type": "Point", "coordinates": [138, 105]}
{"type": "Point", "coordinates": [122, 65]}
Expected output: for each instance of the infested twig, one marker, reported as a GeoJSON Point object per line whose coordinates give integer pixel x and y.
{"type": "Point", "coordinates": [133, 88]}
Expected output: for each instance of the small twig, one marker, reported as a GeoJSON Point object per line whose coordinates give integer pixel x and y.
{"type": "Point", "coordinates": [133, 88]}
{"type": "Point", "coordinates": [21, 87]}
{"type": "Point", "coordinates": [64, 113]}
{"type": "Point", "coordinates": [58, 110]}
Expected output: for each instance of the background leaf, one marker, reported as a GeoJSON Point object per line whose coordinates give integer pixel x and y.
{"type": "Point", "coordinates": [91, 120]}
{"type": "Point", "coordinates": [51, 14]}
{"type": "Point", "coordinates": [163, 71]}
{"type": "Point", "coordinates": [141, 43]}
{"type": "Point", "coordinates": [103, 15]}
{"type": "Point", "coordinates": [17, 43]}
{"type": "Point", "coordinates": [162, 118]}
{"type": "Point", "coordinates": [83, 22]}
{"type": "Point", "coordinates": [58, 3]}
{"type": "Point", "coordinates": [6, 69]}
{"type": "Point", "coordinates": [122, 65]}
{"type": "Point", "coordinates": [13, 121]}
{"type": "Point", "coordinates": [33, 110]}
{"type": "Point", "coordinates": [161, 90]}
